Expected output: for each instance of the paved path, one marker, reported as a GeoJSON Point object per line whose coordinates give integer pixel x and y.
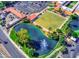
{"type": "Point", "coordinates": [54, 52]}
{"type": "Point", "coordinates": [63, 23]}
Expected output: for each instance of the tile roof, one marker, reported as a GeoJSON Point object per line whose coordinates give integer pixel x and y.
{"type": "Point", "coordinates": [15, 12]}
{"type": "Point", "coordinates": [32, 16]}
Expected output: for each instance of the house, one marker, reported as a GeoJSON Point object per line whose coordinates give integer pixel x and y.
{"type": "Point", "coordinates": [11, 19]}
{"type": "Point", "coordinates": [32, 16]}
{"type": "Point", "coordinates": [68, 7]}
{"type": "Point", "coordinates": [15, 12]}
{"type": "Point", "coordinates": [77, 10]}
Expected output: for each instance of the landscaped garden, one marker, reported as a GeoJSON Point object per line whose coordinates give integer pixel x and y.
{"type": "Point", "coordinates": [50, 21]}
{"type": "Point", "coordinates": [31, 40]}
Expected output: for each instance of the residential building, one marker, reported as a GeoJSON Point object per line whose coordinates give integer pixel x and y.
{"type": "Point", "coordinates": [68, 7]}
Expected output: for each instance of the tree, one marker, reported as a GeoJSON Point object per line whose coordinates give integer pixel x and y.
{"type": "Point", "coordinates": [55, 4]}
{"type": "Point", "coordinates": [74, 16]}
{"type": "Point", "coordinates": [59, 32]}
{"type": "Point", "coordinates": [26, 20]}
{"type": "Point", "coordinates": [55, 36]}
{"type": "Point", "coordinates": [23, 36]}
{"type": "Point", "coordinates": [50, 28]}
{"type": "Point", "coordinates": [60, 10]}
{"type": "Point", "coordinates": [35, 54]}
{"type": "Point", "coordinates": [75, 34]}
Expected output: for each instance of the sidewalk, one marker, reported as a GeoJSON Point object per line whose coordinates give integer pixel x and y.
{"type": "Point", "coordinates": [56, 50]}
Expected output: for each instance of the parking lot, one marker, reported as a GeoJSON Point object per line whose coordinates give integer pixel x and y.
{"type": "Point", "coordinates": [28, 7]}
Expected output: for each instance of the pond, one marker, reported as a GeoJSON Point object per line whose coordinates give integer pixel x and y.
{"type": "Point", "coordinates": [74, 25]}
{"type": "Point", "coordinates": [46, 45]}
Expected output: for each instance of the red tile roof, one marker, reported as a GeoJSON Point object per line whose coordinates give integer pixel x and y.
{"type": "Point", "coordinates": [19, 14]}
{"type": "Point", "coordinates": [32, 16]}
{"type": "Point", "coordinates": [15, 12]}
{"type": "Point", "coordinates": [68, 12]}
{"type": "Point", "coordinates": [77, 12]}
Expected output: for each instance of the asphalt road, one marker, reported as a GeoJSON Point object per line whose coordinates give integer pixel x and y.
{"type": "Point", "coordinates": [13, 51]}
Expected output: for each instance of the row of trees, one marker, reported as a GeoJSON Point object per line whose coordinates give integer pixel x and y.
{"type": "Point", "coordinates": [56, 34]}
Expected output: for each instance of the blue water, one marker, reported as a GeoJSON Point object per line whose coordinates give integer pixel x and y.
{"type": "Point", "coordinates": [36, 34]}
{"type": "Point", "coordinates": [74, 25]}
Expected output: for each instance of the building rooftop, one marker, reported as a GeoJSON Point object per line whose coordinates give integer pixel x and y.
{"type": "Point", "coordinates": [29, 7]}
{"type": "Point", "coordinates": [15, 12]}
{"type": "Point", "coordinates": [32, 16]}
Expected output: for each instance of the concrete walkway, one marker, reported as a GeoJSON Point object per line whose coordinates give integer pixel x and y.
{"type": "Point", "coordinates": [56, 50]}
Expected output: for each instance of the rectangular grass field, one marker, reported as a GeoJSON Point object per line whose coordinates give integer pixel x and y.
{"type": "Point", "coordinates": [50, 20]}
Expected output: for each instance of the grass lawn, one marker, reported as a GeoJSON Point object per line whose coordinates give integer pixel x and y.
{"type": "Point", "coordinates": [50, 9]}
{"type": "Point", "coordinates": [1, 5]}
{"type": "Point", "coordinates": [51, 5]}
{"type": "Point", "coordinates": [50, 20]}
{"type": "Point", "coordinates": [72, 4]}
{"type": "Point", "coordinates": [65, 29]}
{"type": "Point", "coordinates": [13, 36]}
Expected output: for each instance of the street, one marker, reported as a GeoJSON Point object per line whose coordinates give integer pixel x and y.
{"type": "Point", "coordinates": [12, 50]}
{"type": "Point", "coordinates": [3, 52]}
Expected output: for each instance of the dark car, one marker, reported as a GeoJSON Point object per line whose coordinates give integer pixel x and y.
{"type": "Point", "coordinates": [72, 50]}
{"type": "Point", "coordinates": [5, 42]}
{"type": "Point", "coordinates": [0, 42]}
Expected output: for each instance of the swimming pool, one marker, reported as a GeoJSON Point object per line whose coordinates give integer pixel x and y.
{"type": "Point", "coordinates": [36, 34]}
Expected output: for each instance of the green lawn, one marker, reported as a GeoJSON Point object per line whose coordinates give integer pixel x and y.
{"type": "Point", "coordinates": [1, 5]}
{"type": "Point", "coordinates": [50, 9]}
{"type": "Point", "coordinates": [72, 4]}
{"type": "Point", "coordinates": [50, 20]}
{"type": "Point", "coordinates": [65, 29]}
{"type": "Point", "coordinates": [14, 36]}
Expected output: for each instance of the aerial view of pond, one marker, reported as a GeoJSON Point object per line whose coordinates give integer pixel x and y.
{"type": "Point", "coordinates": [46, 45]}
